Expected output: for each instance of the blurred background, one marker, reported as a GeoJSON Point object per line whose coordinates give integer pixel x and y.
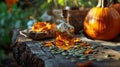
{"type": "Point", "coordinates": [20, 14]}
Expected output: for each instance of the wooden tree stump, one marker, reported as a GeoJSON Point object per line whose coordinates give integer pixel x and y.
{"type": "Point", "coordinates": [30, 53]}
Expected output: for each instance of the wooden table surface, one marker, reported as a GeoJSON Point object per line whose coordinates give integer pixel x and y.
{"type": "Point", "coordinates": [31, 53]}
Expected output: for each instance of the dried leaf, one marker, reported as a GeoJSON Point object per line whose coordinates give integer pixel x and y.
{"type": "Point", "coordinates": [84, 64]}
{"type": "Point", "coordinates": [10, 3]}
{"type": "Point", "coordinates": [48, 43]}
{"type": "Point", "coordinates": [42, 27]}
{"type": "Point", "coordinates": [59, 43]}
{"type": "Point", "coordinates": [53, 25]}
{"type": "Point", "coordinates": [88, 51]}
{"type": "Point", "coordinates": [77, 40]}
{"type": "Point", "coordinates": [84, 44]}
{"type": "Point", "coordinates": [64, 34]}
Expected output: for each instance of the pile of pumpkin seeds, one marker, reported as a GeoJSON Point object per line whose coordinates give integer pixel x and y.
{"type": "Point", "coordinates": [77, 51]}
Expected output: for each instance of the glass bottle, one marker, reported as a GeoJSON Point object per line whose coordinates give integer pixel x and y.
{"type": "Point", "coordinates": [65, 34]}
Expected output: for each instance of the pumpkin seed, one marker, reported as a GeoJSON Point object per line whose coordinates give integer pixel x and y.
{"type": "Point", "coordinates": [70, 53]}
{"type": "Point", "coordinates": [81, 51]}
{"type": "Point", "coordinates": [58, 52]}
{"type": "Point", "coordinates": [49, 50]}
{"type": "Point", "coordinates": [105, 47]}
{"type": "Point", "coordinates": [81, 54]}
{"type": "Point", "coordinates": [107, 56]}
{"type": "Point", "coordinates": [53, 52]}
{"type": "Point", "coordinates": [51, 47]}
{"type": "Point", "coordinates": [73, 60]}
{"type": "Point", "coordinates": [85, 48]}
{"type": "Point", "coordinates": [77, 54]}
{"type": "Point", "coordinates": [76, 50]}
{"type": "Point", "coordinates": [75, 47]}
{"type": "Point", "coordinates": [94, 46]}
{"type": "Point", "coordinates": [67, 57]}
{"type": "Point", "coordinates": [64, 53]}
{"type": "Point", "coordinates": [82, 58]}
{"type": "Point", "coordinates": [99, 60]}
{"type": "Point", "coordinates": [96, 50]}
{"type": "Point", "coordinates": [70, 50]}
{"type": "Point", "coordinates": [74, 55]}
{"type": "Point", "coordinates": [91, 58]}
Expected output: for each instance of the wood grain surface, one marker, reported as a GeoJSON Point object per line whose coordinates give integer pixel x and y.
{"type": "Point", "coordinates": [31, 53]}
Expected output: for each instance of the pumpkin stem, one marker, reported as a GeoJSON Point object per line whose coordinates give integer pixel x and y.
{"type": "Point", "coordinates": [115, 1]}
{"type": "Point", "coordinates": [102, 3]}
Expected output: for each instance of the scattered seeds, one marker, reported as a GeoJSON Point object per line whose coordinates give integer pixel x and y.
{"type": "Point", "coordinates": [81, 50]}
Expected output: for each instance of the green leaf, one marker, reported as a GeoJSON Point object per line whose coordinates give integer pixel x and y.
{"type": "Point", "coordinates": [61, 2]}
{"type": "Point", "coordinates": [7, 39]}
{"type": "Point", "coordinates": [48, 1]}
{"type": "Point", "coordinates": [3, 7]}
{"type": "Point", "coordinates": [2, 55]}
{"type": "Point", "coordinates": [44, 6]}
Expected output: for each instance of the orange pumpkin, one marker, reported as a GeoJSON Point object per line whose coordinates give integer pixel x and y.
{"type": "Point", "coordinates": [102, 22]}
{"type": "Point", "coordinates": [10, 3]}
{"type": "Point", "coordinates": [116, 5]}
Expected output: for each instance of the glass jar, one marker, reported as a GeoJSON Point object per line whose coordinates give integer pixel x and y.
{"type": "Point", "coordinates": [64, 36]}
